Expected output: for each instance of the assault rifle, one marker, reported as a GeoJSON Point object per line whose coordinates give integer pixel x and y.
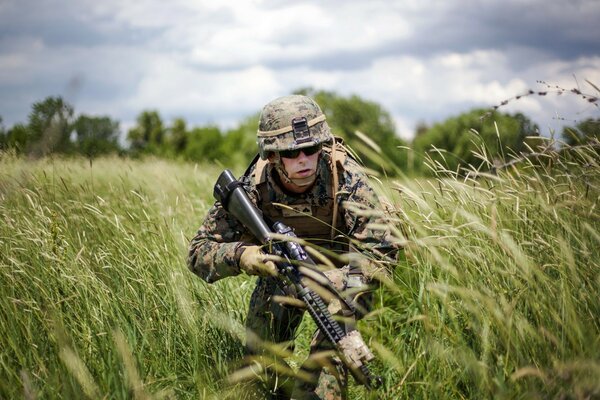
{"type": "Point", "coordinates": [352, 349]}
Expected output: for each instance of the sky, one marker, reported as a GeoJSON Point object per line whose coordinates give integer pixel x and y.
{"type": "Point", "coordinates": [213, 62]}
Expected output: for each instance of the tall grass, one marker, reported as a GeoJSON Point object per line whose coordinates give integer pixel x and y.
{"type": "Point", "coordinates": [496, 295]}
{"type": "Point", "coordinates": [499, 294]}
{"type": "Point", "coordinates": [96, 299]}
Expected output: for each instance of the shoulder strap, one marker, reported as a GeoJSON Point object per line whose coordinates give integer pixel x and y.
{"type": "Point", "coordinates": [259, 175]}
{"type": "Point", "coordinates": [254, 161]}
{"type": "Point", "coordinates": [338, 152]}
{"type": "Point", "coordinates": [258, 171]}
{"type": "Point", "coordinates": [338, 157]}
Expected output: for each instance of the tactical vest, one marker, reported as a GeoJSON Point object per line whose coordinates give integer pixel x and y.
{"type": "Point", "coordinates": [310, 222]}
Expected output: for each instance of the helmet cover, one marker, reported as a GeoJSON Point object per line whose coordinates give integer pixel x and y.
{"type": "Point", "coordinates": [290, 123]}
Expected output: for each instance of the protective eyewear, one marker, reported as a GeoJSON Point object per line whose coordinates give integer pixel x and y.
{"type": "Point", "coordinates": [308, 151]}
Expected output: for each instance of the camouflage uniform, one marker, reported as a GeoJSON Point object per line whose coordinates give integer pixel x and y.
{"type": "Point", "coordinates": [215, 251]}
{"type": "Point", "coordinates": [213, 255]}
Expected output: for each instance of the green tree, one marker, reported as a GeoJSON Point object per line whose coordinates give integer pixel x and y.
{"type": "Point", "coordinates": [583, 132]}
{"type": "Point", "coordinates": [421, 128]}
{"type": "Point", "coordinates": [204, 144]}
{"type": "Point", "coordinates": [50, 127]}
{"type": "Point", "coordinates": [3, 136]}
{"type": "Point", "coordinates": [147, 136]}
{"type": "Point", "coordinates": [239, 144]}
{"type": "Point", "coordinates": [460, 139]}
{"type": "Point", "coordinates": [348, 115]}
{"type": "Point", "coordinates": [18, 137]}
{"type": "Point", "coordinates": [177, 136]}
{"type": "Point", "coordinates": [96, 135]}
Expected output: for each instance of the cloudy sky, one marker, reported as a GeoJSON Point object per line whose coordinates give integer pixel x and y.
{"type": "Point", "coordinates": [217, 62]}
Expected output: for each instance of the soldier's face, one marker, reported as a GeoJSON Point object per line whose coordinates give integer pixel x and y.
{"type": "Point", "coordinates": [302, 166]}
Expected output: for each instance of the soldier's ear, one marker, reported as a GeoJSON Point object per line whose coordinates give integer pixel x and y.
{"type": "Point", "coordinates": [273, 158]}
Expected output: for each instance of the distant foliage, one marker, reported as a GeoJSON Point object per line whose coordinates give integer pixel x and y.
{"type": "Point", "coordinates": [147, 136]}
{"type": "Point", "coordinates": [52, 128]}
{"type": "Point", "coordinates": [367, 128]}
{"type": "Point", "coordinates": [240, 143]}
{"type": "Point", "coordinates": [96, 135]}
{"type": "Point", "coordinates": [3, 136]}
{"type": "Point", "coordinates": [582, 133]}
{"type": "Point", "coordinates": [17, 138]}
{"type": "Point", "coordinates": [199, 144]}
{"type": "Point", "coordinates": [475, 138]}
{"type": "Point", "coordinates": [203, 144]}
{"type": "Point", "coordinates": [177, 136]}
{"type": "Point", "coordinates": [348, 115]}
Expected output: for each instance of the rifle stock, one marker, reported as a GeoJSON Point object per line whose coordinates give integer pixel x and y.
{"type": "Point", "coordinates": [353, 351]}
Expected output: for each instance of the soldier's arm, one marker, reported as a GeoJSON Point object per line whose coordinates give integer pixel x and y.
{"type": "Point", "coordinates": [214, 251]}
{"type": "Point", "coordinates": [364, 217]}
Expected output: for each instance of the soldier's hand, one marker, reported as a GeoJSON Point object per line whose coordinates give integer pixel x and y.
{"type": "Point", "coordinates": [254, 261]}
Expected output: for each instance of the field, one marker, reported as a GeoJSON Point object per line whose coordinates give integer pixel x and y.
{"type": "Point", "coordinates": [496, 295]}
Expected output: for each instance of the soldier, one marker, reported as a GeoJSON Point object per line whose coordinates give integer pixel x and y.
{"type": "Point", "coordinates": [306, 179]}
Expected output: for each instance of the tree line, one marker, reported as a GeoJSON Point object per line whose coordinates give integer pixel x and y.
{"type": "Point", "coordinates": [365, 126]}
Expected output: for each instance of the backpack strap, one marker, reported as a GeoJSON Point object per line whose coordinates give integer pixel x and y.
{"type": "Point", "coordinates": [338, 155]}
{"type": "Point", "coordinates": [259, 172]}
{"type": "Point", "coordinates": [254, 161]}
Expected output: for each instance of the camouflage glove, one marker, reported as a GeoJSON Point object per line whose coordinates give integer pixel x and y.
{"type": "Point", "coordinates": [373, 272]}
{"type": "Point", "coordinates": [256, 262]}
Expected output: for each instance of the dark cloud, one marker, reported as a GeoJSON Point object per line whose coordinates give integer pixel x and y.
{"type": "Point", "coordinates": [564, 30]}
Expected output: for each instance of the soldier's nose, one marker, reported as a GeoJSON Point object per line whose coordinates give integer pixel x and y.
{"type": "Point", "coordinates": [302, 156]}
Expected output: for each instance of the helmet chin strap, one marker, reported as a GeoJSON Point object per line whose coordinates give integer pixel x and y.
{"type": "Point", "coordinates": [302, 182]}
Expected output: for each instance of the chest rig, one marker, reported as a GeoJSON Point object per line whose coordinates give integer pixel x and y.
{"type": "Point", "coordinates": [321, 224]}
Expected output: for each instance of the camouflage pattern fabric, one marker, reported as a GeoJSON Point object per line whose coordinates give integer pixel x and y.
{"type": "Point", "coordinates": [329, 375]}
{"type": "Point", "coordinates": [270, 322]}
{"type": "Point", "coordinates": [214, 254]}
{"type": "Point", "coordinates": [213, 251]}
{"type": "Point", "coordinates": [278, 115]}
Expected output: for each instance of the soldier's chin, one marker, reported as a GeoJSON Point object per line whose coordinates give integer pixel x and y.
{"type": "Point", "coordinates": [306, 181]}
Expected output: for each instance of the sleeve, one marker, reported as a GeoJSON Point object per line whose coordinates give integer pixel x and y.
{"type": "Point", "coordinates": [364, 217]}
{"type": "Point", "coordinates": [214, 252]}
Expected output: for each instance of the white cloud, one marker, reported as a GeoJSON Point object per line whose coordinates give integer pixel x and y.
{"type": "Point", "coordinates": [290, 34]}
{"type": "Point", "coordinates": [173, 87]}
{"type": "Point", "coordinates": [217, 62]}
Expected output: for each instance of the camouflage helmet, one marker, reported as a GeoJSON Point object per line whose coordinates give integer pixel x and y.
{"type": "Point", "coordinates": [289, 123]}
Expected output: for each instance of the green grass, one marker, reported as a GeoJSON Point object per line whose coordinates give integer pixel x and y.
{"type": "Point", "coordinates": [496, 296]}
{"type": "Point", "coordinates": [93, 271]}
{"type": "Point", "coordinates": [499, 293]}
